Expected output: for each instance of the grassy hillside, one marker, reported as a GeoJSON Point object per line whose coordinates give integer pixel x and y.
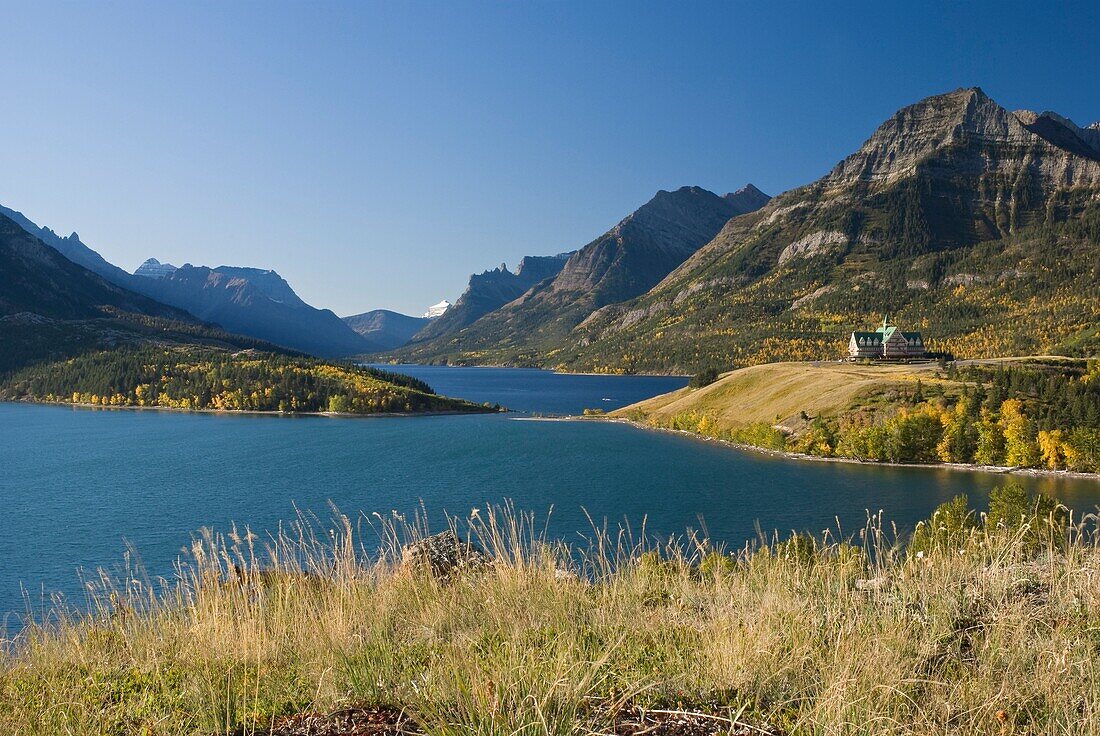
{"type": "Point", "coordinates": [1034, 412]}
{"type": "Point", "coordinates": [984, 625]}
{"type": "Point", "coordinates": [778, 393]}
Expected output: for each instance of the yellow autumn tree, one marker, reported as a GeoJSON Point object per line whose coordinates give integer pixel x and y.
{"type": "Point", "coordinates": [1052, 448]}
{"type": "Point", "coordinates": [1020, 447]}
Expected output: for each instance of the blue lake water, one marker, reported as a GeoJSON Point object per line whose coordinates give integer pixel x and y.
{"type": "Point", "coordinates": [77, 485]}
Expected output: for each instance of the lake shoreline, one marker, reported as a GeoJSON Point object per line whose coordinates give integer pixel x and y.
{"type": "Point", "coordinates": [257, 412]}
{"type": "Point", "coordinates": [788, 455]}
{"type": "Point", "coordinates": [535, 368]}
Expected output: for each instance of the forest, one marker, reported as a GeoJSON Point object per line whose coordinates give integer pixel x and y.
{"type": "Point", "coordinates": [207, 378]}
{"type": "Point", "coordinates": [1030, 415]}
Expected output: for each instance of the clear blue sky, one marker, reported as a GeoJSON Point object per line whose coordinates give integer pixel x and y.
{"type": "Point", "coordinates": [377, 153]}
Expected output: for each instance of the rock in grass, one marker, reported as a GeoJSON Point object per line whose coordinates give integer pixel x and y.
{"type": "Point", "coordinates": [872, 585]}
{"type": "Point", "coordinates": [444, 555]}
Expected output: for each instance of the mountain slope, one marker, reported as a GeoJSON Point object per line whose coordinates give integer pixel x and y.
{"type": "Point", "coordinates": [976, 225]}
{"type": "Point", "coordinates": [491, 290]}
{"type": "Point", "coordinates": [71, 248]}
{"type": "Point", "coordinates": [53, 309]}
{"type": "Point", "coordinates": [386, 329]}
{"type": "Point", "coordinates": [37, 279]}
{"type": "Point", "coordinates": [623, 263]}
{"type": "Point", "coordinates": [256, 303]}
{"type": "Point", "coordinates": [252, 302]}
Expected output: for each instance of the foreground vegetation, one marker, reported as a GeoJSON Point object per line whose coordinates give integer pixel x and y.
{"type": "Point", "coordinates": [983, 624]}
{"type": "Point", "coordinates": [1032, 414]}
{"type": "Point", "coordinates": [192, 377]}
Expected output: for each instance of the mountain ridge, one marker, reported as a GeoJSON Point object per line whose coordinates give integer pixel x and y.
{"type": "Point", "coordinates": [622, 263]}
{"type": "Point", "coordinates": [490, 290]}
{"type": "Point", "coordinates": [386, 328]}
{"type": "Point", "coordinates": [257, 303]}
{"type": "Point", "coordinates": [952, 191]}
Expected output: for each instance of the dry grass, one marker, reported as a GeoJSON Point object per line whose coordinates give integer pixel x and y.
{"type": "Point", "coordinates": [800, 637]}
{"type": "Point", "coordinates": [777, 393]}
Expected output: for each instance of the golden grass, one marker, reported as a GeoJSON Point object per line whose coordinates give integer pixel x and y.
{"type": "Point", "coordinates": [814, 637]}
{"type": "Point", "coordinates": [777, 393]}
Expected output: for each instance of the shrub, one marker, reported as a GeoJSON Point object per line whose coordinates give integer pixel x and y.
{"type": "Point", "coordinates": [1039, 521]}
{"type": "Point", "coordinates": [704, 377]}
{"type": "Point", "coordinates": [948, 529]}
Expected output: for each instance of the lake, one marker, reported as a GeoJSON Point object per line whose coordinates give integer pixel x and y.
{"type": "Point", "coordinates": [78, 485]}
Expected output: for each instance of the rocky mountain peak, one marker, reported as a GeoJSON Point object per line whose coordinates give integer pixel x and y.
{"type": "Point", "coordinates": [152, 268]}
{"type": "Point", "coordinates": [747, 199]}
{"type": "Point", "coordinates": [966, 118]}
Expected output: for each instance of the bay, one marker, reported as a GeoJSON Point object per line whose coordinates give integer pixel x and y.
{"type": "Point", "coordinates": [80, 486]}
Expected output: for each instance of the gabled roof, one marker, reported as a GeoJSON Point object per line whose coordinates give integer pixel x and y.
{"type": "Point", "coordinates": [887, 332]}
{"type": "Point", "coordinates": [867, 338]}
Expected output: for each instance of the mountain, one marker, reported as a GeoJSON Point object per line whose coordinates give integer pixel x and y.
{"type": "Point", "coordinates": [388, 330]}
{"type": "Point", "coordinates": [978, 226]}
{"type": "Point", "coordinates": [621, 264]}
{"type": "Point", "coordinates": [746, 199]}
{"type": "Point", "coordinates": [491, 290]}
{"type": "Point", "coordinates": [256, 303]}
{"type": "Point", "coordinates": [154, 269]}
{"type": "Point", "coordinates": [71, 248]}
{"type": "Point", "coordinates": [252, 302]}
{"type": "Point", "coordinates": [437, 309]}
{"type": "Point", "coordinates": [53, 309]}
{"type": "Point", "coordinates": [35, 278]}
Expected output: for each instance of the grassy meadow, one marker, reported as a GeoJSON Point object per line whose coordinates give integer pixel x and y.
{"type": "Point", "coordinates": [983, 624]}
{"type": "Point", "coordinates": [781, 392]}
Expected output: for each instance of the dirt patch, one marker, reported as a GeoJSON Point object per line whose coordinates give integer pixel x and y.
{"type": "Point", "coordinates": [345, 722]}
{"type": "Point", "coordinates": [628, 721]}
{"type": "Point", "coordinates": [636, 721]}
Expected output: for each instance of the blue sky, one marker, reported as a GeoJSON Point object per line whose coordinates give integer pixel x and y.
{"type": "Point", "coordinates": [377, 153]}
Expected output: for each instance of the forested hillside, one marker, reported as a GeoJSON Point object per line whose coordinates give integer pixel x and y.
{"type": "Point", "coordinates": [199, 378]}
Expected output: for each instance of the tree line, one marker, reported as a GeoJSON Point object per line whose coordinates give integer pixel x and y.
{"type": "Point", "coordinates": [200, 378]}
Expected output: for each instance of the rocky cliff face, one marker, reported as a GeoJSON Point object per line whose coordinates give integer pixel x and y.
{"type": "Point", "coordinates": [491, 290]}
{"type": "Point", "coordinates": [268, 282]}
{"type": "Point", "coordinates": [953, 186]}
{"type": "Point", "coordinates": [965, 134]}
{"type": "Point", "coordinates": [622, 263]}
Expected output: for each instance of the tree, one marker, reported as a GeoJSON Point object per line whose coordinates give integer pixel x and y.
{"type": "Point", "coordinates": [704, 377]}
{"type": "Point", "coordinates": [991, 440]}
{"type": "Point", "coordinates": [1038, 521]}
{"type": "Point", "coordinates": [1020, 447]}
{"type": "Point", "coordinates": [1052, 448]}
{"type": "Point", "coordinates": [960, 435]}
